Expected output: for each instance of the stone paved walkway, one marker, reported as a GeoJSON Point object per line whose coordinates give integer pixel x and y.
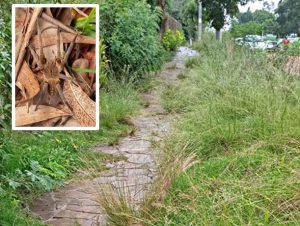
{"type": "Point", "coordinates": [77, 203]}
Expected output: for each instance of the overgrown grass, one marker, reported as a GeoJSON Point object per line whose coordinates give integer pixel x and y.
{"type": "Point", "coordinates": [33, 162]}
{"type": "Point", "coordinates": [242, 116]}
{"type": "Point", "coordinates": [121, 210]}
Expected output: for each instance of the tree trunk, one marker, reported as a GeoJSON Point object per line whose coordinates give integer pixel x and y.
{"type": "Point", "coordinates": [200, 20]}
{"type": "Point", "coordinates": [163, 26]}
{"type": "Point", "coordinates": [219, 35]}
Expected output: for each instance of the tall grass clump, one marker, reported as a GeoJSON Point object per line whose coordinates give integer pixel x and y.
{"type": "Point", "coordinates": [119, 204]}
{"type": "Point", "coordinates": [242, 115]}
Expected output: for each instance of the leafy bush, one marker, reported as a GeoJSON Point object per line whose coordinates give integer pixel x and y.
{"type": "Point", "coordinates": [5, 65]}
{"type": "Point", "coordinates": [179, 37]}
{"type": "Point", "coordinates": [130, 30]}
{"type": "Point", "coordinates": [169, 40]}
{"type": "Point", "coordinates": [172, 40]}
{"type": "Point", "coordinates": [294, 48]}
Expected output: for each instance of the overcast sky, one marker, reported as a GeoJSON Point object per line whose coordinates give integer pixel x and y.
{"type": "Point", "coordinates": [257, 5]}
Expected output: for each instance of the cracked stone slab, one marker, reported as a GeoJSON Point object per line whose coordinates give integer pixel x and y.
{"type": "Point", "coordinates": [107, 150]}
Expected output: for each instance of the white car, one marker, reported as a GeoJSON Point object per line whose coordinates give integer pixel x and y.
{"type": "Point", "coordinates": [271, 44]}
{"type": "Point", "coordinates": [239, 41]}
{"type": "Point", "coordinates": [260, 45]}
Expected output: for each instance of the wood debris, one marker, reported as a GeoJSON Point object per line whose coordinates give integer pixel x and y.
{"type": "Point", "coordinates": [55, 68]}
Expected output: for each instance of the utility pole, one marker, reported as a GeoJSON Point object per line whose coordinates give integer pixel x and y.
{"type": "Point", "coordinates": [199, 20]}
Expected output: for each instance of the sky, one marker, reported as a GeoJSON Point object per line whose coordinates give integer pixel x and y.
{"type": "Point", "coordinates": [257, 5]}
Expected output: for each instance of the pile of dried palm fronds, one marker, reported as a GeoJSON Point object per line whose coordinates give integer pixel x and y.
{"type": "Point", "coordinates": [55, 67]}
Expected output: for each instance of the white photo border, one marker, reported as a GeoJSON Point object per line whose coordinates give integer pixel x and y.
{"type": "Point", "coordinates": [14, 6]}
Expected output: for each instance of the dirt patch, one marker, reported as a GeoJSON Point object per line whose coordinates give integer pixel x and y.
{"type": "Point", "coordinates": [292, 65]}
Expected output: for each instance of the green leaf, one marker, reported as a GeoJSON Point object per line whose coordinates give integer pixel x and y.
{"type": "Point", "coordinates": [87, 24]}
{"type": "Point", "coordinates": [83, 70]}
{"type": "Point", "coordinates": [13, 184]}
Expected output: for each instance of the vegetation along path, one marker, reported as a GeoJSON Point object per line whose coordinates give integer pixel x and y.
{"type": "Point", "coordinates": [77, 203]}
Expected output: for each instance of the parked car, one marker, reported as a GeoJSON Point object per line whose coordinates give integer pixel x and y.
{"type": "Point", "coordinates": [260, 45]}
{"type": "Point", "coordinates": [268, 42]}
{"type": "Point", "coordinates": [239, 41]}
{"type": "Point", "coordinates": [271, 44]}
{"type": "Point", "coordinates": [253, 38]}
{"type": "Point", "coordinates": [269, 37]}
{"type": "Point", "coordinates": [293, 35]}
{"type": "Point", "coordinates": [249, 44]}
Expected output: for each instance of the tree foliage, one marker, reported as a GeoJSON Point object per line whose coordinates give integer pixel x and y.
{"type": "Point", "coordinates": [215, 11]}
{"type": "Point", "coordinates": [289, 16]}
{"type": "Point", "coordinates": [188, 17]}
{"type": "Point", "coordinates": [250, 28]}
{"type": "Point", "coordinates": [259, 16]}
{"type": "Point", "coordinates": [254, 23]}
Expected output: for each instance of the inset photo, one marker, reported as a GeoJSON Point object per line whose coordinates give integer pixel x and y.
{"type": "Point", "coordinates": [55, 67]}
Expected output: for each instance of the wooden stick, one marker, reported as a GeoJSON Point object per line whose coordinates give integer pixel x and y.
{"type": "Point", "coordinates": [69, 50]}
{"type": "Point", "coordinates": [57, 23]}
{"type": "Point", "coordinates": [18, 46]}
{"type": "Point", "coordinates": [80, 12]}
{"type": "Point", "coordinates": [21, 36]}
{"type": "Point", "coordinates": [29, 32]}
{"type": "Point", "coordinates": [51, 39]}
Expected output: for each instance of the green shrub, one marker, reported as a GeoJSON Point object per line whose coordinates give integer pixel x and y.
{"type": "Point", "coordinates": [293, 49]}
{"type": "Point", "coordinates": [5, 64]}
{"type": "Point", "coordinates": [179, 37]}
{"type": "Point", "coordinates": [130, 30]}
{"type": "Point", "coordinates": [172, 40]}
{"type": "Point", "coordinates": [169, 40]}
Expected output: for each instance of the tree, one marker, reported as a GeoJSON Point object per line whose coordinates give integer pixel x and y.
{"type": "Point", "coordinates": [245, 17]}
{"type": "Point", "coordinates": [254, 23]}
{"type": "Point", "coordinates": [269, 6]}
{"type": "Point", "coordinates": [289, 16]}
{"type": "Point", "coordinates": [165, 7]}
{"type": "Point", "coordinates": [242, 30]}
{"type": "Point", "coordinates": [188, 17]}
{"type": "Point", "coordinates": [261, 16]}
{"type": "Point", "coordinates": [176, 9]}
{"type": "Point", "coordinates": [215, 11]}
